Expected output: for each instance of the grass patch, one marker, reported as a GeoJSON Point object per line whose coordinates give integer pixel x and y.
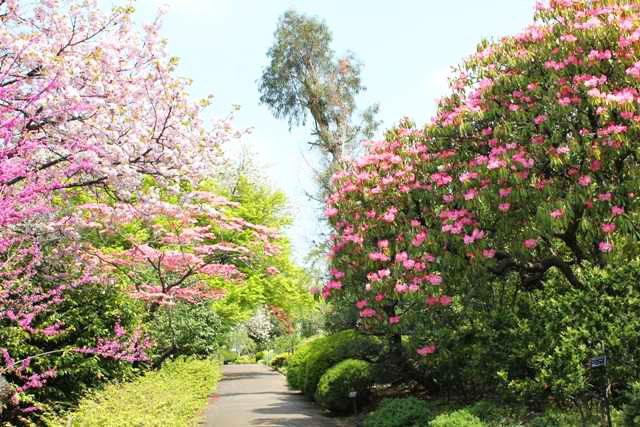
{"type": "Point", "coordinates": [171, 396]}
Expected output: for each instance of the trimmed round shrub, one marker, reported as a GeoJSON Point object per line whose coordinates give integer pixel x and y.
{"type": "Point", "coordinates": [631, 411]}
{"type": "Point", "coordinates": [336, 384]}
{"type": "Point", "coordinates": [403, 412]}
{"type": "Point", "coordinates": [280, 360]}
{"type": "Point", "coordinates": [335, 348]}
{"type": "Point", "coordinates": [297, 363]}
{"type": "Point", "coordinates": [460, 418]}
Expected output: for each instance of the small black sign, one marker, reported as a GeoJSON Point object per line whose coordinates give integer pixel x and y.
{"type": "Point", "coordinates": [598, 361]}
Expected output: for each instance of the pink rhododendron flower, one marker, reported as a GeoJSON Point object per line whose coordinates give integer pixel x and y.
{"type": "Point", "coordinates": [394, 319]}
{"type": "Point", "coordinates": [617, 210]}
{"type": "Point", "coordinates": [584, 180]}
{"type": "Point", "coordinates": [540, 119]}
{"type": "Point", "coordinates": [470, 195]}
{"type": "Point", "coordinates": [504, 206]}
{"type": "Point", "coordinates": [401, 288]}
{"type": "Point", "coordinates": [608, 228]}
{"type": "Point", "coordinates": [428, 349]}
{"type": "Point", "coordinates": [272, 271]}
{"type": "Point", "coordinates": [367, 312]}
{"type": "Point", "coordinates": [445, 300]}
{"type": "Point", "coordinates": [489, 253]}
{"type": "Point", "coordinates": [504, 192]}
{"type": "Point", "coordinates": [330, 212]}
{"type": "Point", "coordinates": [605, 246]}
{"type": "Point", "coordinates": [434, 279]}
{"type": "Point", "coordinates": [530, 243]}
{"type": "Point", "coordinates": [557, 213]}
{"type": "Point", "coordinates": [361, 304]}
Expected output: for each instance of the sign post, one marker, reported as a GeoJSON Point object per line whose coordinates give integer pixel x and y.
{"type": "Point", "coordinates": [602, 362]}
{"type": "Point", "coordinates": [353, 395]}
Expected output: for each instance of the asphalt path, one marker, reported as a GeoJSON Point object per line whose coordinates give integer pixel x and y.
{"type": "Point", "coordinates": [255, 395]}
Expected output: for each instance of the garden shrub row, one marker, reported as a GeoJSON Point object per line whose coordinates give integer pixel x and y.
{"type": "Point", "coordinates": [335, 348]}
{"type": "Point", "coordinates": [339, 363]}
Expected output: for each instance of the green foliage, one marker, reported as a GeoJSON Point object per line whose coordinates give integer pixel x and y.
{"type": "Point", "coordinates": [483, 409]}
{"type": "Point", "coordinates": [337, 382]}
{"type": "Point", "coordinates": [459, 418]}
{"type": "Point", "coordinates": [280, 360]}
{"type": "Point", "coordinates": [570, 326]}
{"type": "Point", "coordinates": [246, 360]}
{"type": "Point", "coordinates": [335, 348]}
{"type": "Point", "coordinates": [310, 322]}
{"type": "Point", "coordinates": [239, 341]}
{"type": "Point", "coordinates": [297, 363]}
{"type": "Point", "coordinates": [187, 329]}
{"type": "Point", "coordinates": [631, 411]}
{"type": "Point", "coordinates": [228, 357]}
{"type": "Point", "coordinates": [259, 204]}
{"type": "Point", "coordinates": [284, 343]}
{"type": "Point", "coordinates": [555, 418]}
{"type": "Point", "coordinates": [401, 412]}
{"type": "Point", "coordinates": [174, 394]}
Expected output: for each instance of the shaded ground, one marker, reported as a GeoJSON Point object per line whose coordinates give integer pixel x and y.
{"type": "Point", "coordinates": [254, 395]}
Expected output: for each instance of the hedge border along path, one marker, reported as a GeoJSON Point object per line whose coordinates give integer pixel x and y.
{"type": "Point", "coordinates": [172, 396]}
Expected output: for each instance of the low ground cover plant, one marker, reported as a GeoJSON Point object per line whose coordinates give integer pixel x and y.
{"type": "Point", "coordinates": [399, 412]}
{"type": "Point", "coordinates": [171, 396]}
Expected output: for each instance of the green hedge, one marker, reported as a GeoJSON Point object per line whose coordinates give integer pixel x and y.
{"type": "Point", "coordinates": [336, 348]}
{"type": "Point", "coordinates": [336, 384]}
{"type": "Point", "coordinates": [171, 396]}
{"type": "Point", "coordinates": [297, 363]}
{"type": "Point", "coordinates": [403, 412]}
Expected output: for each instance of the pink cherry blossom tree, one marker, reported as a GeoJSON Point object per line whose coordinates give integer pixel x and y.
{"type": "Point", "coordinates": [91, 109]}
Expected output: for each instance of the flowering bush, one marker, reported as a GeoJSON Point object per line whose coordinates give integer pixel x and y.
{"type": "Point", "coordinates": [98, 142]}
{"type": "Point", "coordinates": [260, 327]}
{"type": "Point", "coordinates": [530, 166]}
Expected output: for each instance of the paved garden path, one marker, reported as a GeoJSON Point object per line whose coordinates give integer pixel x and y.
{"type": "Point", "coordinates": [254, 395]}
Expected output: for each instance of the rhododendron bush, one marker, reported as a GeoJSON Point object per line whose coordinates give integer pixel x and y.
{"type": "Point", "coordinates": [529, 168]}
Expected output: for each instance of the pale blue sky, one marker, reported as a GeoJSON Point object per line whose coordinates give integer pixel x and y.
{"type": "Point", "coordinates": [406, 48]}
